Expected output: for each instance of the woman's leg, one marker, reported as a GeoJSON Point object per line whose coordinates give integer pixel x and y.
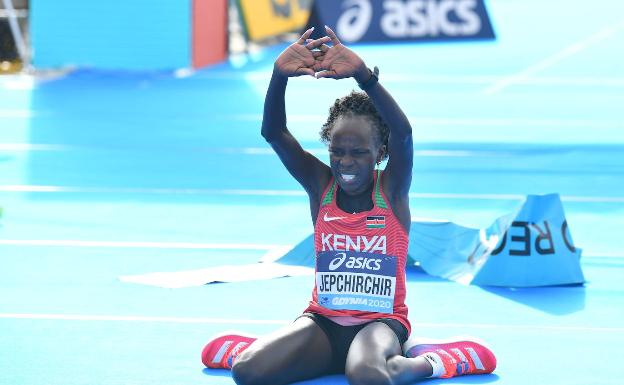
{"type": "Point", "coordinates": [375, 358]}
{"type": "Point", "coordinates": [297, 352]}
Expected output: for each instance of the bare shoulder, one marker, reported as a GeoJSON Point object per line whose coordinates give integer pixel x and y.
{"type": "Point", "coordinates": [316, 195]}
{"type": "Point", "coordinates": [398, 198]}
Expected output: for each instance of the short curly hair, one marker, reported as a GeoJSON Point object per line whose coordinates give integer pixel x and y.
{"type": "Point", "coordinates": [355, 104]}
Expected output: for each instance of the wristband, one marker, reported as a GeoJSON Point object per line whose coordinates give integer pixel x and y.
{"type": "Point", "coordinates": [374, 78]}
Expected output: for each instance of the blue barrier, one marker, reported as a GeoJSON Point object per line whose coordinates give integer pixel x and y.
{"type": "Point", "coordinates": [529, 247]}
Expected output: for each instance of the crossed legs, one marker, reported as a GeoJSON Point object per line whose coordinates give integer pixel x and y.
{"type": "Point", "coordinates": [302, 351]}
{"type": "Point", "coordinates": [375, 358]}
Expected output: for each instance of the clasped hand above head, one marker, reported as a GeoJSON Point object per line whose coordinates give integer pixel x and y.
{"type": "Point", "coordinates": [316, 58]}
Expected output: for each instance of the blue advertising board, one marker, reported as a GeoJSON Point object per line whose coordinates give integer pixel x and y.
{"type": "Point", "coordinates": [402, 20]}
{"type": "Point", "coordinates": [113, 34]}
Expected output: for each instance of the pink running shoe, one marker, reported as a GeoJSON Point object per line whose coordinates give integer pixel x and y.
{"type": "Point", "coordinates": [460, 357]}
{"type": "Point", "coordinates": [222, 349]}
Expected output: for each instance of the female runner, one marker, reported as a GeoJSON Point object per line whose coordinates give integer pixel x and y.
{"type": "Point", "coordinates": [356, 322]}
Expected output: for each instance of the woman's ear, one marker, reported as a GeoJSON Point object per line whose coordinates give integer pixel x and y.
{"type": "Point", "coordinates": [382, 153]}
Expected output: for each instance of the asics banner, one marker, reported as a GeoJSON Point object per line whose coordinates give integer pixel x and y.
{"type": "Point", "coordinates": [402, 20]}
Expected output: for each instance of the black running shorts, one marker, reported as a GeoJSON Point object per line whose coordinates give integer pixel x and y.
{"type": "Point", "coordinates": [340, 337]}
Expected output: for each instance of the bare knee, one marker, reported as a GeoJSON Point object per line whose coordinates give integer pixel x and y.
{"type": "Point", "coordinates": [368, 375]}
{"type": "Point", "coordinates": [394, 367]}
{"type": "Point", "coordinates": [246, 370]}
{"type": "Point", "coordinates": [242, 373]}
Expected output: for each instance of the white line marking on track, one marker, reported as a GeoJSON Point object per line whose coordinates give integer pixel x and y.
{"type": "Point", "coordinates": [565, 198]}
{"type": "Point", "coordinates": [121, 190]}
{"type": "Point", "coordinates": [16, 113]}
{"type": "Point", "coordinates": [578, 81]}
{"type": "Point", "coordinates": [273, 251]}
{"type": "Point", "coordinates": [82, 317]}
{"type": "Point", "coordinates": [416, 120]}
{"type": "Point", "coordinates": [207, 320]}
{"type": "Point", "coordinates": [519, 122]}
{"type": "Point", "coordinates": [605, 254]}
{"type": "Point", "coordinates": [568, 51]}
{"type": "Point", "coordinates": [200, 191]}
{"type": "Point", "coordinates": [26, 147]}
{"type": "Point", "coordinates": [36, 147]}
{"type": "Point", "coordinates": [147, 245]}
{"type": "Point", "coordinates": [482, 123]}
{"type": "Point", "coordinates": [428, 78]}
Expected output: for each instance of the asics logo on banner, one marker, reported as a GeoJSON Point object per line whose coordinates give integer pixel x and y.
{"type": "Point", "coordinates": [353, 23]}
{"type": "Point", "coordinates": [360, 243]}
{"type": "Point", "coordinates": [329, 219]}
{"type": "Point", "coordinates": [363, 263]}
{"type": "Point", "coordinates": [418, 18]}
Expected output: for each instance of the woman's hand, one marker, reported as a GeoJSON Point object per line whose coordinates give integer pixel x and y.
{"type": "Point", "coordinates": [338, 61]}
{"type": "Point", "coordinates": [300, 57]}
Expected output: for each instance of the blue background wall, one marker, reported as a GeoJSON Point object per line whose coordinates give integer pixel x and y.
{"type": "Point", "coordinates": [112, 34]}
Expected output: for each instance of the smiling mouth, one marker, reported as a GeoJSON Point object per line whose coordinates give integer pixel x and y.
{"type": "Point", "coordinates": [347, 177]}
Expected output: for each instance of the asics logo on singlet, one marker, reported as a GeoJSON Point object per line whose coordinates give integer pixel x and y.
{"type": "Point", "coordinates": [337, 262]}
{"type": "Point", "coordinates": [355, 262]}
{"type": "Point", "coordinates": [360, 243]}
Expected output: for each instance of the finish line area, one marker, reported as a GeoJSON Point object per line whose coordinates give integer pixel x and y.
{"type": "Point", "coordinates": [105, 174]}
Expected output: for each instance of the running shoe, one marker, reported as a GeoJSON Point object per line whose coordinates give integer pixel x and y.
{"type": "Point", "coordinates": [222, 349]}
{"type": "Point", "coordinates": [460, 357]}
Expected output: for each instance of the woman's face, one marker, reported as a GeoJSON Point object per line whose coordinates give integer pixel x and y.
{"type": "Point", "coordinates": [353, 152]}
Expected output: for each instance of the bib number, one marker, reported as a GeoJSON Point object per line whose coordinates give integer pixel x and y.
{"type": "Point", "coordinates": [347, 280]}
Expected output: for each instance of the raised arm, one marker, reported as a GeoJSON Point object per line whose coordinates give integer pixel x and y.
{"type": "Point", "coordinates": [297, 60]}
{"type": "Point", "coordinates": [340, 62]}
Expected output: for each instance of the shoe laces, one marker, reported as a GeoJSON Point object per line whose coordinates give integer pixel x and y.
{"type": "Point", "coordinates": [235, 352]}
{"type": "Point", "coordinates": [455, 361]}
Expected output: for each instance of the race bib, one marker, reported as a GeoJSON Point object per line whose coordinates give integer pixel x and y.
{"type": "Point", "coordinates": [348, 280]}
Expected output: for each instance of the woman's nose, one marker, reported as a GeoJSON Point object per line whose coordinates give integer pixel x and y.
{"type": "Point", "coordinates": [346, 160]}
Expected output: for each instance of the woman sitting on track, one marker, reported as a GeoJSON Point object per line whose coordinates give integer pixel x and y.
{"type": "Point", "coordinates": [356, 322]}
